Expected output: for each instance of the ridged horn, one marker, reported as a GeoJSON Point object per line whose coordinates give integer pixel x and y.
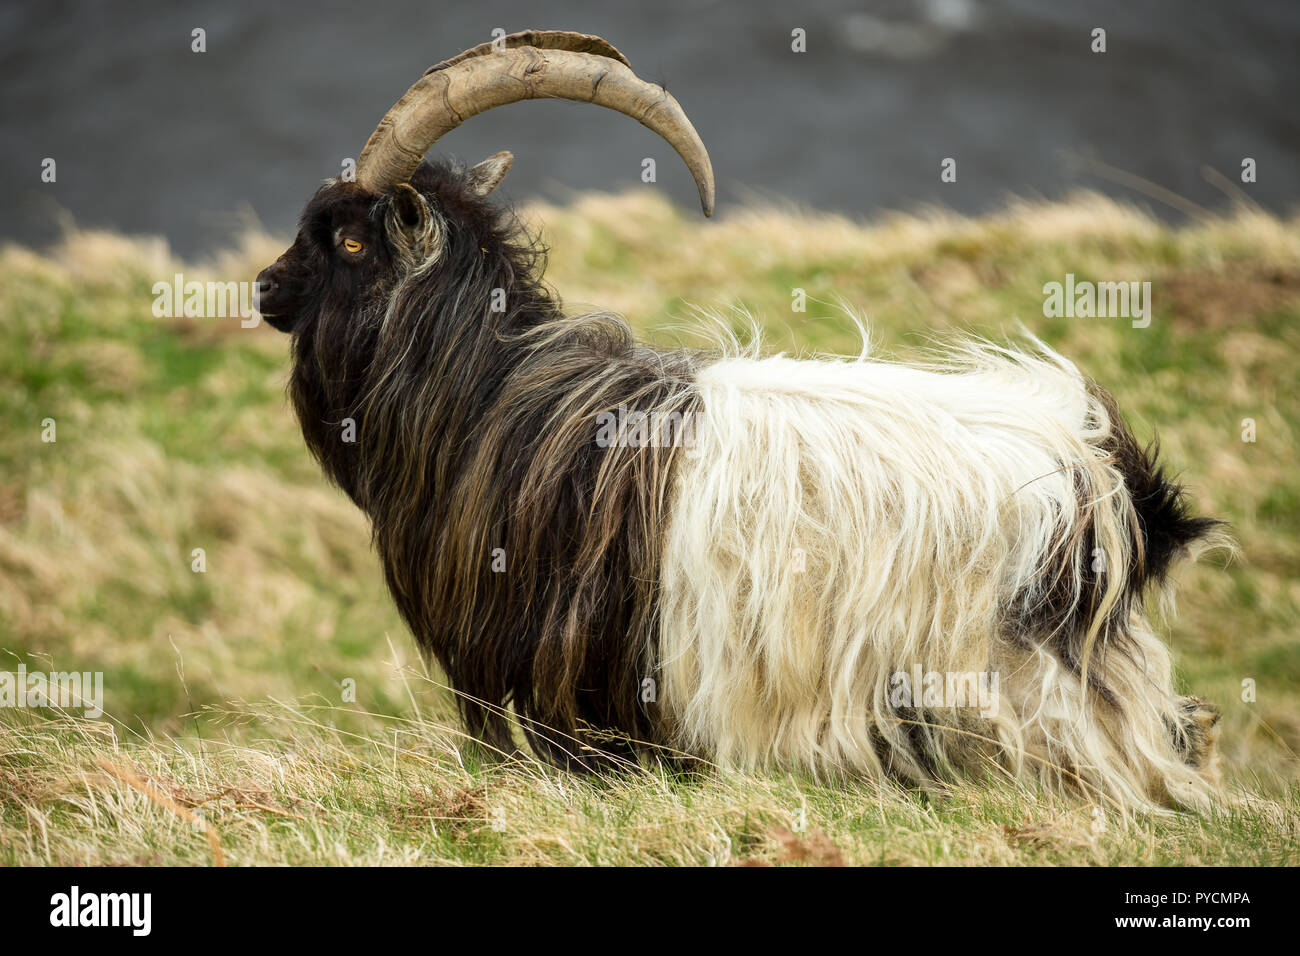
{"type": "Point", "coordinates": [534, 64]}
{"type": "Point", "coordinates": [542, 40]}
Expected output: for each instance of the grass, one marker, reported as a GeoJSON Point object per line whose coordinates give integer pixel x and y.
{"type": "Point", "coordinates": [229, 732]}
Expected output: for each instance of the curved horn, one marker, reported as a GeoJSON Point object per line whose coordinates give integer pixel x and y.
{"type": "Point", "coordinates": [543, 40]}
{"type": "Point", "coordinates": [483, 77]}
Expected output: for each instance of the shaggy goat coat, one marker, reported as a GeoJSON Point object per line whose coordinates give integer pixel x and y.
{"type": "Point", "coordinates": [838, 523]}
{"type": "Point", "coordinates": [740, 567]}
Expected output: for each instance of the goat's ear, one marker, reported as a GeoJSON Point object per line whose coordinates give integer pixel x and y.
{"type": "Point", "coordinates": [409, 209]}
{"type": "Point", "coordinates": [487, 175]}
{"type": "Point", "coordinates": [412, 226]}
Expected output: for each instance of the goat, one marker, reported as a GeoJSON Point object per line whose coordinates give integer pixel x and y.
{"type": "Point", "coordinates": [752, 560]}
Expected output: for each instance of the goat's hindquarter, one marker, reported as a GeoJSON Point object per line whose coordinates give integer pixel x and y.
{"type": "Point", "coordinates": [838, 530]}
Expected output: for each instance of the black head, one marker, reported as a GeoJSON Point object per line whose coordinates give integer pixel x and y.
{"type": "Point", "coordinates": [353, 245]}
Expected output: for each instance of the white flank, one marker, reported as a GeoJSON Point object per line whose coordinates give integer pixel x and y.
{"type": "Point", "coordinates": [840, 521]}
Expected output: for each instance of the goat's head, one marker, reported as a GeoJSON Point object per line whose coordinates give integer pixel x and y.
{"type": "Point", "coordinates": [358, 239]}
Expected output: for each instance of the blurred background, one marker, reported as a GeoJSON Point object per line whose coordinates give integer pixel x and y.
{"type": "Point", "coordinates": [152, 138]}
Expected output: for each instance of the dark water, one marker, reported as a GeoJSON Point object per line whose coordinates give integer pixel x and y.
{"type": "Point", "coordinates": [150, 137]}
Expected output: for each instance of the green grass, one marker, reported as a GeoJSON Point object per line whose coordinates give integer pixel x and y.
{"type": "Point", "coordinates": [224, 690]}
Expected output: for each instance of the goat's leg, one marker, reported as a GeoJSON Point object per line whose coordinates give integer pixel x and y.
{"type": "Point", "coordinates": [1197, 735]}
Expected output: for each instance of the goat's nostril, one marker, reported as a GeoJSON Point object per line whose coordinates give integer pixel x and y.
{"type": "Point", "coordinates": [266, 285]}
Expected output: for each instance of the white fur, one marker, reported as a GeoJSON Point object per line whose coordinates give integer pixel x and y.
{"type": "Point", "coordinates": [839, 521]}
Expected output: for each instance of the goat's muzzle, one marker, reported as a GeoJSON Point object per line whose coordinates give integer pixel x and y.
{"type": "Point", "coordinates": [276, 302]}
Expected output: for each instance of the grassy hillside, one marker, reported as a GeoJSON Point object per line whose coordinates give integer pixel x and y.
{"type": "Point", "coordinates": [226, 733]}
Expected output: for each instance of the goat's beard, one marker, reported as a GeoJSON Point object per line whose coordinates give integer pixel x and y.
{"type": "Point", "coordinates": [748, 598]}
{"type": "Point", "coordinates": [334, 354]}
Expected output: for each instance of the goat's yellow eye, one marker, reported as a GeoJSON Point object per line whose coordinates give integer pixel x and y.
{"type": "Point", "coordinates": [352, 246]}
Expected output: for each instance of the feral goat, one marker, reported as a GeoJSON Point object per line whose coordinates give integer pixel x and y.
{"type": "Point", "coordinates": [753, 560]}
